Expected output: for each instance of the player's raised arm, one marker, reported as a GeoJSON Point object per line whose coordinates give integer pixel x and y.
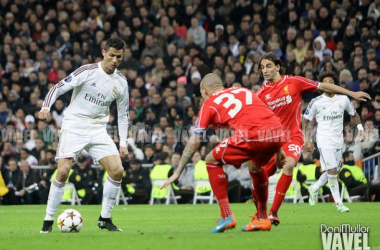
{"type": "Point", "coordinates": [360, 95]}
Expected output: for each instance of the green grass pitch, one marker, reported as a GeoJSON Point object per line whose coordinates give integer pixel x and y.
{"type": "Point", "coordinates": [182, 227]}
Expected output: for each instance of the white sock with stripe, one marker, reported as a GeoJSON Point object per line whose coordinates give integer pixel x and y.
{"type": "Point", "coordinates": [110, 191]}
{"type": "Point", "coordinates": [334, 187]}
{"type": "Point", "coordinates": [321, 181]}
{"type": "Point", "coordinates": [56, 192]}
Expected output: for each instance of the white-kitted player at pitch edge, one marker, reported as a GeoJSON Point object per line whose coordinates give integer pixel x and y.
{"type": "Point", "coordinates": [328, 110]}
{"type": "Point", "coordinates": [94, 87]}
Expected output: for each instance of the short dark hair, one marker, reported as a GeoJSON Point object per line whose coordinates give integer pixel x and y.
{"type": "Point", "coordinates": [347, 154]}
{"type": "Point", "coordinates": [272, 56]}
{"type": "Point", "coordinates": [115, 43]}
{"type": "Point", "coordinates": [325, 74]}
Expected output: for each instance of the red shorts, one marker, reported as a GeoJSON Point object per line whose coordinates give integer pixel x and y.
{"type": "Point", "coordinates": [293, 149]}
{"type": "Point", "coordinates": [235, 153]}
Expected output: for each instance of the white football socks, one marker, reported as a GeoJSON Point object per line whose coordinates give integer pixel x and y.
{"type": "Point", "coordinates": [334, 187]}
{"type": "Point", "coordinates": [110, 191]}
{"type": "Point", "coordinates": [55, 197]}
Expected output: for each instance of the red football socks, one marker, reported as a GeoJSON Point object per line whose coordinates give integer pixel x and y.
{"type": "Point", "coordinates": [260, 184]}
{"type": "Point", "coordinates": [219, 184]}
{"type": "Point", "coordinates": [282, 186]}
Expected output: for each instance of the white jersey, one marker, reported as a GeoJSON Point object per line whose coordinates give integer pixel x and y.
{"type": "Point", "coordinates": [93, 92]}
{"type": "Point", "coordinates": [329, 114]}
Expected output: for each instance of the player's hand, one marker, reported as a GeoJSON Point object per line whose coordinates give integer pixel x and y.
{"type": "Point", "coordinates": [280, 158]}
{"type": "Point", "coordinates": [43, 114]}
{"type": "Point", "coordinates": [361, 136]}
{"type": "Point", "coordinates": [123, 152]}
{"type": "Point", "coordinates": [169, 181]}
{"type": "Point", "coordinates": [361, 96]}
{"type": "Point", "coordinates": [309, 146]}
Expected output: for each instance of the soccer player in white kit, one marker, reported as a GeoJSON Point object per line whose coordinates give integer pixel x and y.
{"type": "Point", "coordinates": [328, 110]}
{"type": "Point", "coordinates": [95, 87]}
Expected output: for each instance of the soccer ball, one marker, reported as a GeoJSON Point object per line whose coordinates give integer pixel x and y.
{"type": "Point", "coordinates": [70, 221]}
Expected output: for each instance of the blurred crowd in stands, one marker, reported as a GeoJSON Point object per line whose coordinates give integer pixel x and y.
{"type": "Point", "coordinates": [171, 45]}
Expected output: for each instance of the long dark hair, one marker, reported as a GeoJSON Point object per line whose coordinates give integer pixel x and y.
{"type": "Point", "coordinates": [275, 59]}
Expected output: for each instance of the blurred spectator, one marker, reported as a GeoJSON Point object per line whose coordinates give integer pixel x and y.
{"type": "Point", "coordinates": [151, 48]}
{"type": "Point", "coordinates": [137, 183]}
{"type": "Point", "coordinates": [350, 144]}
{"type": "Point", "coordinates": [354, 179]}
{"type": "Point", "coordinates": [84, 179]}
{"type": "Point", "coordinates": [26, 156]}
{"type": "Point", "coordinates": [371, 137]}
{"type": "Point", "coordinates": [26, 187]}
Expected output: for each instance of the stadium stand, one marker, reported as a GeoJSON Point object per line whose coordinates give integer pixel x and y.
{"type": "Point", "coordinates": [171, 45]}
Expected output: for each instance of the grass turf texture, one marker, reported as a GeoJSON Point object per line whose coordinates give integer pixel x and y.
{"type": "Point", "coordinates": [182, 227]}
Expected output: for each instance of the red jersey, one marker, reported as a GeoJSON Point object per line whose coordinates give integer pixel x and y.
{"type": "Point", "coordinates": [238, 109]}
{"type": "Point", "coordinates": [284, 98]}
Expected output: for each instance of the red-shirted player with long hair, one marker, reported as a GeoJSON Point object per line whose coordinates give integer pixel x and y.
{"type": "Point", "coordinates": [256, 139]}
{"type": "Point", "coordinates": [283, 95]}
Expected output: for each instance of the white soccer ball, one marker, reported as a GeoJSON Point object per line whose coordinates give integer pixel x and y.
{"type": "Point", "coordinates": [70, 221]}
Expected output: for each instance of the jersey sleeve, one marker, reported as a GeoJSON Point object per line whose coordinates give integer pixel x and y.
{"type": "Point", "coordinates": [349, 107]}
{"type": "Point", "coordinates": [75, 79]}
{"type": "Point", "coordinates": [304, 84]}
{"type": "Point", "coordinates": [311, 111]}
{"type": "Point", "coordinates": [203, 121]}
{"type": "Point", "coordinates": [123, 115]}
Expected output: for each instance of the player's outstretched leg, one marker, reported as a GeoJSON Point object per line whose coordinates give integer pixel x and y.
{"type": "Point", "coordinates": [219, 184]}
{"type": "Point", "coordinates": [270, 169]}
{"type": "Point", "coordinates": [55, 197]}
{"type": "Point", "coordinates": [314, 189]}
{"type": "Point", "coordinates": [57, 189]}
{"type": "Point", "coordinates": [332, 177]}
{"type": "Point", "coordinates": [112, 185]}
{"type": "Point", "coordinates": [260, 221]}
{"type": "Point", "coordinates": [110, 192]}
{"type": "Point", "coordinates": [281, 188]}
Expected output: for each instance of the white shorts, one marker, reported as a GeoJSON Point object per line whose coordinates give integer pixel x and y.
{"type": "Point", "coordinates": [97, 143]}
{"type": "Point", "coordinates": [330, 158]}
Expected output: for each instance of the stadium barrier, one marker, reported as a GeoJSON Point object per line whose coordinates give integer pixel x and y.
{"type": "Point", "coordinates": [371, 168]}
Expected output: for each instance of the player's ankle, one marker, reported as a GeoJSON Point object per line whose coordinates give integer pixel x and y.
{"type": "Point", "coordinates": [49, 217]}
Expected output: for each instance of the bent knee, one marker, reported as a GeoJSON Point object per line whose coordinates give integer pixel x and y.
{"type": "Point", "coordinates": [116, 173]}
{"type": "Point", "coordinates": [288, 167]}
{"type": "Point", "coordinates": [64, 167]}
{"type": "Point", "coordinates": [332, 171]}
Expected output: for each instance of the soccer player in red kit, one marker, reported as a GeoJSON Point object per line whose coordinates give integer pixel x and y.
{"type": "Point", "coordinates": [283, 95]}
{"type": "Point", "coordinates": [256, 140]}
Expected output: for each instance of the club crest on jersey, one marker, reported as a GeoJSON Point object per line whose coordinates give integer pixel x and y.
{"type": "Point", "coordinates": [340, 106]}
{"type": "Point", "coordinates": [286, 90]}
{"type": "Point", "coordinates": [114, 90]}
{"type": "Point", "coordinates": [68, 79]}
{"type": "Point", "coordinates": [267, 96]}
